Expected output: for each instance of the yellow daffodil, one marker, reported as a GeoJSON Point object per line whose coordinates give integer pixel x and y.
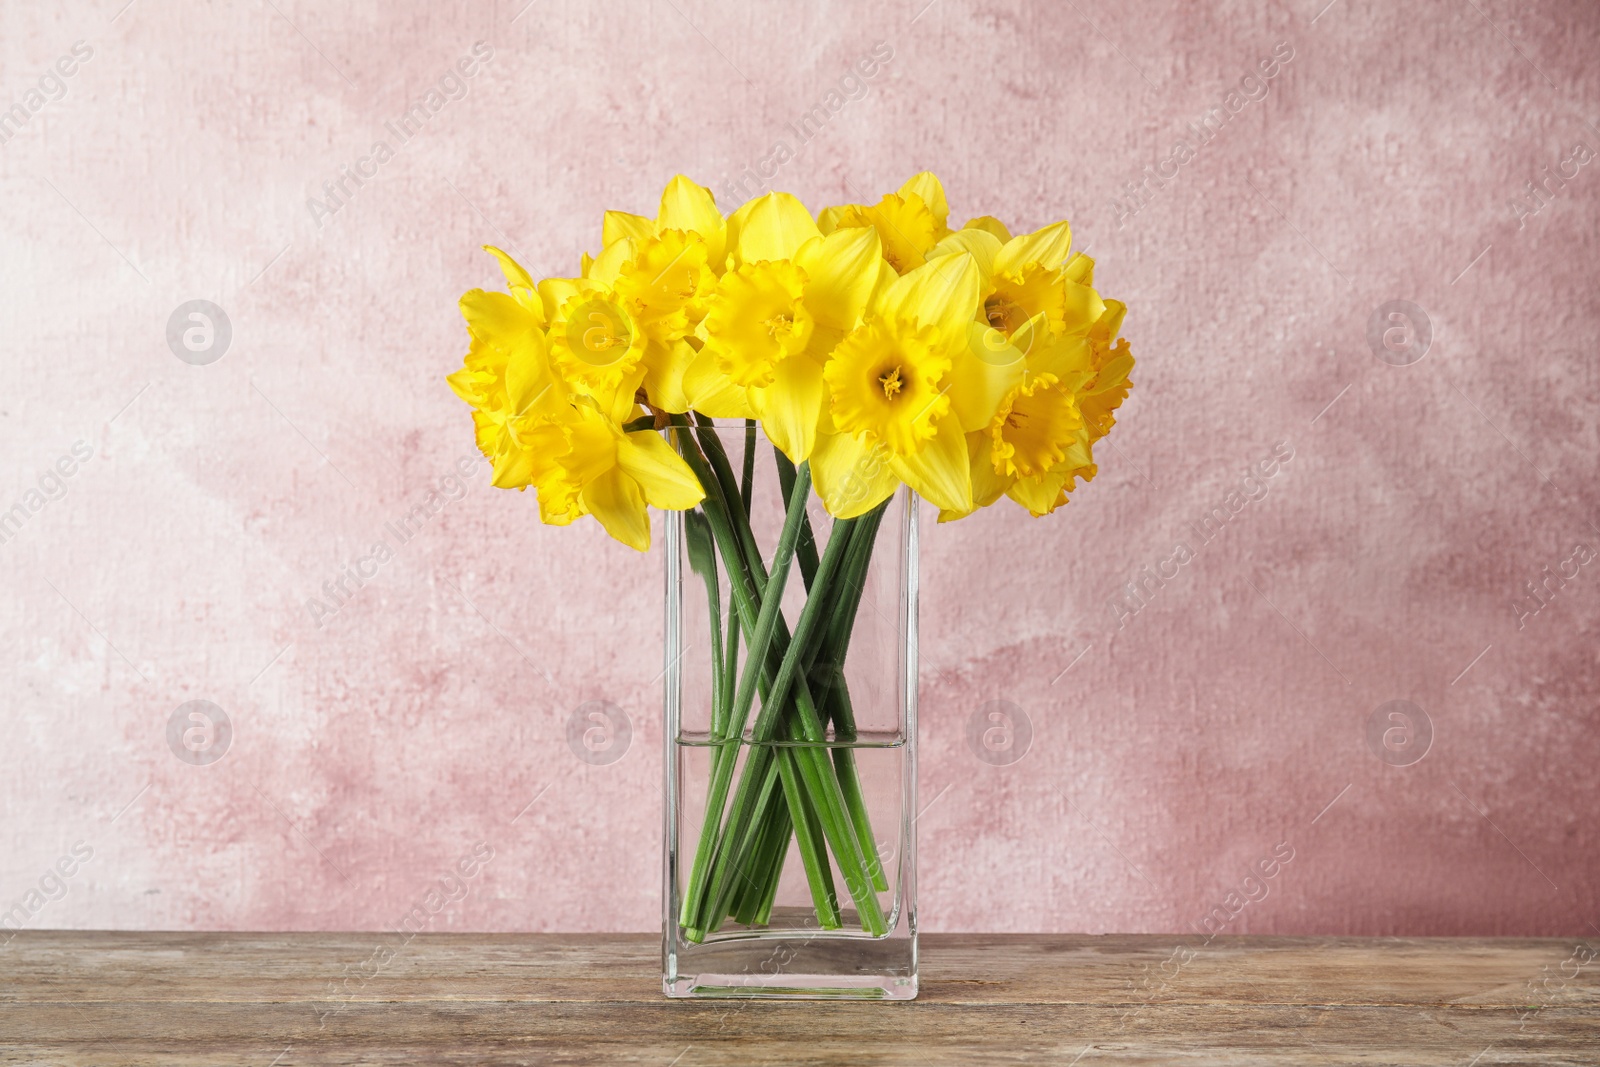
{"type": "Point", "coordinates": [507, 377]}
{"type": "Point", "coordinates": [910, 222]}
{"type": "Point", "coordinates": [872, 341]}
{"type": "Point", "coordinates": [613, 475]}
{"type": "Point", "coordinates": [789, 297]}
{"type": "Point", "coordinates": [901, 381]}
{"type": "Point", "coordinates": [1030, 275]}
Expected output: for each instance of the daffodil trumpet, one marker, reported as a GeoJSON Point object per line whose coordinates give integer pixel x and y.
{"type": "Point", "coordinates": [881, 354]}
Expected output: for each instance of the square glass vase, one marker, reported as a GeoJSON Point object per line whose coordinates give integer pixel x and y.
{"type": "Point", "coordinates": [790, 795]}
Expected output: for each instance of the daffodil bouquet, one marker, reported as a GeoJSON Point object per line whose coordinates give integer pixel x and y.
{"type": "Point", "coordinates": [874, 347]}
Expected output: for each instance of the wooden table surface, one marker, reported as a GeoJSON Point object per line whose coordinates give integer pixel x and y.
{"type": "Point", "coordinates": [276, 1000]}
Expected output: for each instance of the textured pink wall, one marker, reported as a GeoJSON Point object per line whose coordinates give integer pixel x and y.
{"type": "Point", "coordinates": [1173, 746]}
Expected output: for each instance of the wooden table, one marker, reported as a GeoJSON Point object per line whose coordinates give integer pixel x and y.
{"type": "Point", "coordinates": [275, 1000]}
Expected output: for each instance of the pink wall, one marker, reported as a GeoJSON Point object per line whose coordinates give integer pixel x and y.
{"type": "Point", "coordinates": [1173, 746]}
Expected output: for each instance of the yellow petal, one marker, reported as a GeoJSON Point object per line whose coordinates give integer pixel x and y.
{"type": "Point", "coordinates": [981, 376]}
{"type": "Point", "coordinates": [712, 393]}
{"type": "Point", "coordinates": [1069, 360]}
{"type": "Point", "coordinates": [773, 226]}
{"type": "Point", "coordinates": [852, 476]}
{"type": "Point", "coordinates": [691, 208]}
{"type": "Point", "coordinates": [1034, 429]}
{"type": "Point", "coordinates": [1044, 493]}
{"type": "Point", "coordinates": [598, 347]}
{"type": "Point", "coordinates": [664, 281]}
{"type": "Point", "coordinates": [467, 383]}
{"type": "Point", "coordinates": [791, 407]}
{"type": "Point", "coordinates": [664, 478]}
{"type": "Point", "coordinates": [519, 282]}
{"type": "Point", "coordinates": [906, 224]}
{"type": "Point", "coordinates": [842, 272]}
{"type": "Point", "coordinates": [615, 499]}
{"type": "Point", "coordinates": [830, 218]}
{"type": "Point", "coordinates": [941, 471]}
{"type": "Point", "coordinates": [531, 385]}
{"type": "Point", "coordinates": [1081, 307]}
{"type": "Point", "coordinates": [513, 469]}
{"type": "Point", "coordinates": [989, 224]}
{"type": "Point", "coordinates": [663, 377]}
{"type": "Point", "coordinates": [559, 511]}
{"type": "Point", "coordinates": [1047, 247]}
{"type": "Point", "coordinates": [620, 224]}
{"type": "Point", "coordinates": [928, 187]}
{"type": "Point", "coordinates": [553, 292]}
{"type": "Point", "coordinates": [495, 318]}
{"type": "Point", "coordinates": [1110, 325]}
{"type": "Point", "coordinates": [607, 266]}
{"type": "Point", "coordinates": [980, 245]}
{"type": "Point", "coordinates": [942, 294]}
{"type": "Point", "coordinates": [987, 485]}
{"type": "Point", "coordinates": [1040, 495]}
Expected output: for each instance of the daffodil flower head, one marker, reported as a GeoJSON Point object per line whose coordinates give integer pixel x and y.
{"type": "Point", "coordinates": [1034, 427]}
{"type": "Point", "coordinates": [596, 343]}
{"type": "Point", "coordinates": [885, 379]}
{"type": "Point", "coordinates": [910, 222]}
{"type": "Point", "coordinates": [663, 285]}
{"type": "Point", "coordinates": [756, 319]}
{"type": "Point", "coordinates": [871, 342]}
{"type": "Point", "coordinates": [614, 474]}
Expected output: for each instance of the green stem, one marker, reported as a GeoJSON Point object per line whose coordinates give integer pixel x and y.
{"type": "Point", "coordinates": [809, 834]}
{"type": "Point", "coordinates": [703, 561]}
{"type": "Point", "coordinates": [722, 471]}
{"type": "Point", "coordinates": [802, 767]}
{"type": "Point", "coordinates": [767, 620]}
{"type": "Point", "coordinates": [712, 867]}
{"type": "Point", "coordinates": [844, 828]}
{"type": "Point", "coordinates": [766, 863]}
{"type": "Point", "coordinates": [748, 479]}
{"type": "Point", "coordinates": [835, 648]}
{"type": "Point", "coordinates": [808, 540]}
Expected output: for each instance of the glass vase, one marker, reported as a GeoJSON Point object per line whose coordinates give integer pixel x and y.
{"type": "Point", "coordinates": [790, 792]}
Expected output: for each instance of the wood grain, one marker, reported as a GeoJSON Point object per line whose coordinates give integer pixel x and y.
{"type": "Point", "coordinates": [284, 999]}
